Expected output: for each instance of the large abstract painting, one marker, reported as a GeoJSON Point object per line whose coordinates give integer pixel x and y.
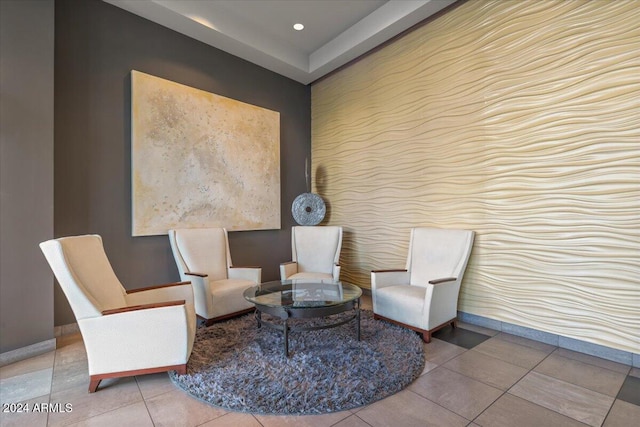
{"type": "Point", "coordinates": [201, 160]}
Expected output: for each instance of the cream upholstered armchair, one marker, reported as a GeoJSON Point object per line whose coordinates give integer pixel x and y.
{"type": "Point", "coordinates": [125, 332]}
{"type": "Point", "coordinates": [203, 257]}
{"type": "Point", "coordinates": [315, 253]}
{"type": "Point", "coordinates": [424, 296]}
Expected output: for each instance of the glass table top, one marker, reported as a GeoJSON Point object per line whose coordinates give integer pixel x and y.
{"type": "Point", "coordinates": [301, 294]}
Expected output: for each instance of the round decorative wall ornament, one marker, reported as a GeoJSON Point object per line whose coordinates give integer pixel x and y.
{"type": "Point", "coordinates": [308, 209]}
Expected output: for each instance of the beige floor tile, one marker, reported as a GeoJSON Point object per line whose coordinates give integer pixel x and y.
{"type": "Point", "coordinates": [26, 386]}
{"type": "Point", "coordinates": [511, 352]}
{"type": "Point", "coordinates": [439, 352]}
{"type": "Point", "coordinates": [622, 414]}
{"type": "Point", "coordinates": [25, 414]}
{"type": "Point", "coordinates": [233, 419]}
{"type": "Point", "coordinates": [154, 384]}
{"type": "Point", "coordinates": [486, 369]}
{"type": "Point", "coordinates": [324, 420]}
{"type": "Point", "coordinates": [458, 393]}
{"type": "Point", "coordinates": [69, 375]}
{"type": "Point", "coordinates": [131, 415]}
{"type": "Point", "coordinates": [593, 360]}
{"type": "Point", "coordinates": [635, 372]}
{"type": "Point", "coordinates": [352, 421]}
{"type": "Point", "coordinates": [547, 348]}
{"type": "Point", "coordinates": [176, 408]}
{"type": "Point", "coordinates": [583, 374]}
{"type": "Point", "coordinates": [71, 353]}
{"type": "Point", "coordinates": [67, 339]}
{"type": "Point", "coordinates": [510, 411]}
{"type": "Point", "coordinates": [366, 302]}
{"type": "Point", "coordinates": [407, 409]}
{"type": "Point", "coordinates": [112, 394]}
{"type": "Point", "coordinates": [571, 400]}
{"type": "Point", "coordinates": [429, 366]}
{"type": "Point", "coordinates": [37, 363]}
{"type": "Point", "coordinates": [478, 329]}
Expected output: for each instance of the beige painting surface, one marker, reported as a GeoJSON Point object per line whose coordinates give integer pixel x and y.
{"type": "Point", "coordinates": [201, 160]}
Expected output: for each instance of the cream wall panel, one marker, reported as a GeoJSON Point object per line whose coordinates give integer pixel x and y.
{"type": "Point", "coordinates": [519, 120]}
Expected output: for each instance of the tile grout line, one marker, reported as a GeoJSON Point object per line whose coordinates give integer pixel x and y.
{"type": "Point", "coordinates": [593, 364]}
{"type": "Point", "coordinates": [437, 404]}
{"type": "Point", "coordinates": [53, 370]}
{"type": "Point", "coordinates": [144, 401]}
{"type": "Point", "coordinates": [527, 400]}
{"type": "Point", "coordinates": [442, 366]}
{"type": "Point", "coordinates": [507, 390]}
{"type": "Point", "coordinates": [548, 376]}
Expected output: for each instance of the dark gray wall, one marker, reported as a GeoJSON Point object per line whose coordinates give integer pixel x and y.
{"type": "Point", "coordinates": [97, 46]}
{"type": "Point", "coordinates": [26, 171]}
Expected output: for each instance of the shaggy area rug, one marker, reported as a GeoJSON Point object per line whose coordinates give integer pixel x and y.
{"type": "Point", "coordinates": [238, 367]}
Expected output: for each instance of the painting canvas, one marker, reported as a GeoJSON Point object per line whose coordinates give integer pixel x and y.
{"type": "Point", "coordinates": [201, 160]}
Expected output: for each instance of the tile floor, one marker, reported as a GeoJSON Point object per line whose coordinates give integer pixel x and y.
{"type": "Point", "coordinates": [472, 377]}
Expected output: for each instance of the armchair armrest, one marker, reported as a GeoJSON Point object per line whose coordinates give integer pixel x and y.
{"type": "Point", "coordinates": [336, 272]}
{"type": "Point", "coordinates": [288, 269]}
{"type": "Point", "coordinates": [399, 270]}
{"type": "Point", "coordinates": [382, 278]}
{"type": "Point", "coordinates": [251, 273]}
{"type": "Point", "coordinates": [443, 280]}
{"type": "Point", "coordinates": [137, 339]}
{"type": "Point", "coordinates": [202, 297]}
{"type": "Point", "coordinates": [441, 301]}
{"type": "Point", "coordinates": [150, 288]}
{"type": "Point", "coordinates": [160, 293]}
{"type": "Point", "coordinates": [142, 307]}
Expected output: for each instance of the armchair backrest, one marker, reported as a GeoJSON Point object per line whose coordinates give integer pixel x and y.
{"type": "Point", "coordinates": [85, 275]}
{"type": "Point", "coordinates": [201, 250]}
{"type": "Point", "coordinates": [436, 253]}
{"type": "Point", "coordinates": [316, 248]}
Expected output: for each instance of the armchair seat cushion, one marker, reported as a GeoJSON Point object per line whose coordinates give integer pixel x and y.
{"type": "Point", "coordinates": [228, 294]}
{"type": "Point", "coordinates": [309, 275]}
{"type": "Point", "coordinates": [401, 303]}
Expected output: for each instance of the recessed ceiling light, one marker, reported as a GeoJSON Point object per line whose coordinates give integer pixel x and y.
{"type": "Point", "coordinates": [298, 27]}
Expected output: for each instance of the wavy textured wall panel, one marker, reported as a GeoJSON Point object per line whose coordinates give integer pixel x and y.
{"type": "Point", "coordinates": [519, 120]}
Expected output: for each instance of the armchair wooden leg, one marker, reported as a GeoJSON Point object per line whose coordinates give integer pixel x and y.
{"type": "Point", "coordinates": [426, 335]}
{"type": "Point", "coordinates": [93, 384]}
{"type": "Point", "coordinates": [94, 380]}
{"type": "Point", "coordinates": [209, 322]}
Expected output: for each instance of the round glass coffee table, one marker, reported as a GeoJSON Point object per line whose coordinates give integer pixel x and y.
{"type": "Point", "coordinates": [299, 299]}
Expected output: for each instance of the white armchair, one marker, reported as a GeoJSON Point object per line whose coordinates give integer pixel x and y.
{"type": "Point", "coordinates": [125, 333]}
{"type": "Point", "coordinates": [315, 253]}
{"type": "Point", "coordinates": [424, 296]}
{"type": "Point", "coordinates": [203, 258]}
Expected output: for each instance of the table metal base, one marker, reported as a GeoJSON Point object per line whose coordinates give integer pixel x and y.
{"type": "Point", "coordinates": [307, 313]}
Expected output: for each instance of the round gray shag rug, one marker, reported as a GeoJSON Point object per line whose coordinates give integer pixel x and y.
{"type": "Point", "coordinates": [238, 367]}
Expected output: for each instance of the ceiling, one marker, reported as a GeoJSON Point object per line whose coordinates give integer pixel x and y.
{"type": "Point", "coordinates": [261, 31]}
